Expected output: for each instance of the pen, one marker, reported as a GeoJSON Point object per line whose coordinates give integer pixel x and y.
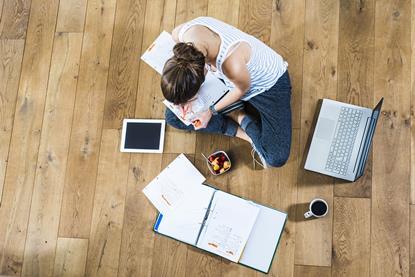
{"type": "Point", "coordinates": [217, 101]}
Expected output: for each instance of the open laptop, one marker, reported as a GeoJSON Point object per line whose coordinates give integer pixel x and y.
{"type": "Point", "coordinates": [342, 139]}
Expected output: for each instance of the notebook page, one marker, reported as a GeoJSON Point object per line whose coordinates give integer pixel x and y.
{"type": "Point", "coordinates": [185, 223]}
{"type": "Point", "coordinates": [228, 226]}
{"type": "Point", "coordinates": [159, 52]}
{"type": "Point", "coordinates": [263, 241]}
{"type": "Point", "coordinates": [173, 186]}
{"type": "Point", "coordinates": [211, 91]}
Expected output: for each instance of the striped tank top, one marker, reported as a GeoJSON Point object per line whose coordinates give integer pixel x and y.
{"type": "Point", "coordinates": [265, 65]}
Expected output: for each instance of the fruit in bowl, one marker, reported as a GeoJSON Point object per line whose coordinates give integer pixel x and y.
{"type": "Point", "coordinates": [219, 163]}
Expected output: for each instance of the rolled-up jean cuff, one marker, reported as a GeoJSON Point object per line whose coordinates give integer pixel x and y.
{"type": "Point", "coordinates": [246, 121]}
{"type": "Point", "coordinates": [231, 128]}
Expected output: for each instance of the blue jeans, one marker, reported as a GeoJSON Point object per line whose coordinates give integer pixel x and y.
{"type": "Point", "coordinates": [271, 134]}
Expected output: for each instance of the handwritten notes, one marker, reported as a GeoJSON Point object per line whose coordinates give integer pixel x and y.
{"type": "Point", "coordinates": [173, 185]}
{"type": "Point", "coordinates": [228, 226]}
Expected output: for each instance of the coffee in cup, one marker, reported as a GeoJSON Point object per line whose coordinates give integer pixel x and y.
{"type": "Point", "coordinates": [318, 208]}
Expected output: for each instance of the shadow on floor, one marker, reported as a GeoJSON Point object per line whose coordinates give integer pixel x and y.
{"type": "Point", "coordinates": [296, 212]}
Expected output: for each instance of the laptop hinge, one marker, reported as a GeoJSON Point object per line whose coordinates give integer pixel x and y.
{"type": "Point", "coordinates": [366, 148]}
{"type": "Point", "coordinates": [360, 151]}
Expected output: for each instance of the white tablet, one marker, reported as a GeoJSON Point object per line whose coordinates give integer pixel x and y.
{"type": "Point", "coordinates": [142, 135]}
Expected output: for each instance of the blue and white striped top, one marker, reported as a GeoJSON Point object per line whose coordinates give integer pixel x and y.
{"type": "Point", "coordinates": [265, 66]}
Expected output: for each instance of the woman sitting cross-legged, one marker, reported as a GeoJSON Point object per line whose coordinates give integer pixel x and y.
{"type": "Point", "coordinates": [254, 72]}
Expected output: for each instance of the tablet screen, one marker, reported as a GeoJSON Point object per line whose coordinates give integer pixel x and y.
{"type": "Point", "coordinates": [142, 136]}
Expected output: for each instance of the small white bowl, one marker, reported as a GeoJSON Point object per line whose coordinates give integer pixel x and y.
{"type": "Point", "coordinates": [210, 166]}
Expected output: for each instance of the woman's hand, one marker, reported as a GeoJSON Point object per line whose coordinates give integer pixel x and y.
{"type": "Point", "coordinates": [185, 108]}
{"type": "Point", "coordinates": [202, 120]}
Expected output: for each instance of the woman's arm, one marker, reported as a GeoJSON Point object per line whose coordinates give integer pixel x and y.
{"type": "Point", "coordinates": [235, 69]}
{"type": "Point", "coordinates": [237, 72]}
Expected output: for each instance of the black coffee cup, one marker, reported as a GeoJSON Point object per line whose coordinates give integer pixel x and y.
{"type": "Point", "coordinates": [318, 208]}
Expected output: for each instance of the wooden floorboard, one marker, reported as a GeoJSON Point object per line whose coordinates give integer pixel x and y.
{"type": "Point", "coordinates": [413, 104]}
{"type": "Point", "coordinates": [227, 11]}
{"type": "Point", "coordinates": [71, 204]}
{"type": "Point", "coordinates": [71, 17]}
{"type": "Point", "coordinates": [87, 123]}
{"type": "Point", "coordinates": [312, 271]}
{"type": "Point", "coordinates": [53, 152]}
{"type": "Point", "coordinates": [70, 257]}
{"type": "Point", "coordinates": [391, 164]}
{"type": "Point", "coordinates": [14, 18]}
{"type": "Point", "coordinates": [412, 242]}
{"type": "Point", "coordinates": [11, 55]}
{"type": "Point", "coordinates": [108, 212]}
{"type": "Point", "coordinates": [138, 238]}
{"type": "Point", "coordinates": [255, 18]}
{"type": "Point", "coordinates": [351, 237]}
{"type": "Point", "coordinates": [124, 63]}
{"type": "Point", "coordinates": [1, 8]}
{"type": "Point", "coordinates": [25, 138]}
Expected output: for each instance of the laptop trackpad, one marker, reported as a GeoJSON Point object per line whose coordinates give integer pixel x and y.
{"type": "Point", "coordinates": [325, 128]}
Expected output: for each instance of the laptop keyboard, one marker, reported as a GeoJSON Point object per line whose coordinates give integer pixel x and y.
{"type": "Point", "coordinates": [342, 145]}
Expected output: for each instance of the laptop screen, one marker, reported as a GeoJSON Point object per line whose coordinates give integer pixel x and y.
{"type": "Point", "coordinates": [376, 111]}
{"type": "Point", "coordinates": [369, 137]}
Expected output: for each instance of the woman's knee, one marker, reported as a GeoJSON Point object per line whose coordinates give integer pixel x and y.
{"type": "Point", "coordinates": [170, 117]}
{"type": "Point", "coordinates": [279, 158]}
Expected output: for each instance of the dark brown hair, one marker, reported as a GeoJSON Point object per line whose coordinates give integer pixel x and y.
{"type": "Point", "coordinates": [183, 74]}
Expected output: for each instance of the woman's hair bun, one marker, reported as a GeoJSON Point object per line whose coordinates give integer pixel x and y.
{"type": "Point", "coordinates": [183, 74]}
{"type": "Point", "coordinates": [187, 52]}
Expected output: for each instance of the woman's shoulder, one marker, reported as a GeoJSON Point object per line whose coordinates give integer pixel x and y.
{"type": "Point", "coordinates": [192, 26]}
{"type": "Point", "coordinates": [176, 31]}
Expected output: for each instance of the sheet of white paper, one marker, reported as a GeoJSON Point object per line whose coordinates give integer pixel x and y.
{"type": "Point", "coordinates": [228, 226]}
{"type": "Point", "coordinates": [263, 241]}
{"type": "Point", "coordinates": [185, 223]}
{"type": "Point", "coordinates": [173, 185]}
{"type": "Point", "coordinates": [159, 51]}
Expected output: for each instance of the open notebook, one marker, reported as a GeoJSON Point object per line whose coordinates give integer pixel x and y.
{"type": "Point", "coordinates": [221, 223]}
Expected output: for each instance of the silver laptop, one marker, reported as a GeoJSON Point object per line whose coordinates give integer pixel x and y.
{"type": "Point", "coordinates": [342, 139]}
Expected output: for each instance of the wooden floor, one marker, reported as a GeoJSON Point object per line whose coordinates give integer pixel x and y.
{"type": "Point", "coordinates": [71, 203]}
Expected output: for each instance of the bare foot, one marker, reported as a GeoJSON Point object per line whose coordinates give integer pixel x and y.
{"type": "Point", "coordinates": [243, 135]}
{"type": "Point", "coordinates": [237, 116]}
